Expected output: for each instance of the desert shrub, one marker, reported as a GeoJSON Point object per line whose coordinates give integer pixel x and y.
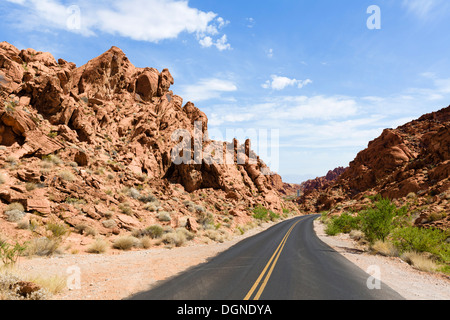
{"type": "Point", "coordinates": [15, 206]}
{"type": "Point", "coordinates": [145, 242]}
{"type": "Point", "coordinates": [98, 246]}
{"type": "Point", "coordinates": [126, 209]}
{"type": "Point", "coordinates": [423, 240]}
{"type": "Point", "coordinates": [215, 235]}
{"type": "Point", "coordinates": [260, 213]}
{"type": "Point", "coordinates": [148, 198]}
{"type": "Point", "coordinates": [14, 215]}
{"type": "Point", "coordinates": [109, 224]}
{"type": "Point", "coordinates": [30, 186]}
{"type": "Point", "coordinates": [154, 232]}
{"type": "Point", "coordinates": [164, 216]}
{"type": "Point", "coordinates": [174, 239]}
{"type": "Point", "coordinates": [133, 193]}
{"type": "Point", "coordinates": [263, 214]}
{"type": "Point", "coordinates": [342, 224]}
{"type": "Point", "coordinates": [199, 209]}
{"type": "Point", "coordinates": [52, 159]}
{"type": "Point", "coordinates": [57, 230]}
{"type": "Point", "coordinates": [151, 206]}
{"type": "Point", "coordinates": [86, 230]}
{"type": "Point", "coordinates": [66, 175]}
{"type": "Point", "coordinates": [189, 205]}
{"type": "Point", "coordinates": [23, 225]}
{"type": "Point", "coordinates": [42, 247]}
{"type": "Point", "coordinates": [125, 243]}
{"type": "Point", "coordinates": [187, 234]}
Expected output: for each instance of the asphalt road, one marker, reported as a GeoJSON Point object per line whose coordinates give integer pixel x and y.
{"type": "Point", "coordinates": [286, 262]}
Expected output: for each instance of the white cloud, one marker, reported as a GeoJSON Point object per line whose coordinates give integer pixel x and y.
{"type": "Point", "coordinates": [280, 83]}
{"type": "Point", "coordinates": [222, 43]}
{"type": "Point", "coordinates": [292, 108]}
{"type": "Point", "coordinates": [207, 89]}
{"type": "Point", "coordinates": [206, 42]}
{"type": "Point", "coordinates": [142, 20]}
{"type": "Point", "coordinates": [250, 22]}
{"type": "Point", "coordinates": [422, 8]}
{"type": "Point", "coordinates": [438, 89]}
{"type": "Point", "coordinates": [270, 53]}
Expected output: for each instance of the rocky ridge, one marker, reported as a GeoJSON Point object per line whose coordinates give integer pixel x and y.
{"type": "Point", "coordinates": [409, 164]}
{"type": "Point", "coordinates": [92, 146]}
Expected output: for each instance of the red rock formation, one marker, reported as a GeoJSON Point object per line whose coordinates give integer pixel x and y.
{"type": "Point", "coordinates": [410, 164]}
{"type": "Point", "coordinates": [110, 117]}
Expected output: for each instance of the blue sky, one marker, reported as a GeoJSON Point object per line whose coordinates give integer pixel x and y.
{"type": "Point", "coordinates": [310, 70]}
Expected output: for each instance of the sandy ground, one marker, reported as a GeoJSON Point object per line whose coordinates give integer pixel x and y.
{"type": "Point", "coordinates": [117, 276]}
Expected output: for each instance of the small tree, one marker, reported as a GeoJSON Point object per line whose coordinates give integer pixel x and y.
{"type": "Point", "coordinates": [377, 223]}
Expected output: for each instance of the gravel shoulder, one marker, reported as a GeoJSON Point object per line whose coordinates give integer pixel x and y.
{"type": "Point", "coordinates": [117, 276]}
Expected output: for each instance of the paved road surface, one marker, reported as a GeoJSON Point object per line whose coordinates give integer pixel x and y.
{"type": "Point", "coordinates": [286, 262]}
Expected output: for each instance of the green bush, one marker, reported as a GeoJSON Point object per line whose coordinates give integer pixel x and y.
{"type": "Point", "coordinates": [342, 224]}
{"type": "Point", "coordinates": [262, 213]}
{"type": "Point", "coordinates": [377, 223]}
{"type": "Point", "coordinates": [423, 240]}
{"type": "Point", "coordinates": [9, 254]}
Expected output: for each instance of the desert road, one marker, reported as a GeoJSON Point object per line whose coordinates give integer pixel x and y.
{"type": "Point", "coordinates": [285, 262]}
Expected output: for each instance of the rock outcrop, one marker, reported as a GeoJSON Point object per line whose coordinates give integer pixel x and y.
{"type": "Point", "coordinates": [88, 139]}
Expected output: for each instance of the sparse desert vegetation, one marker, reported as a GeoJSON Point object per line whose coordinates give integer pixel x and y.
{"type": "Point", "coordinates": [390, 231]}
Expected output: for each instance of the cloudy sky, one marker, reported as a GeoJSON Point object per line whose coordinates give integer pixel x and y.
{"type": "Point", "coordinates": [315, 74]}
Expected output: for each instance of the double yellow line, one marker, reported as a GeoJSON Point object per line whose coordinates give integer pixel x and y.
{"type": "Point", "coordinates": [271, 264]}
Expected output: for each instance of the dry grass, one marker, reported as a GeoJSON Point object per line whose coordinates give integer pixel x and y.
{"type": "Point", "coordinates": [125, 243]}
{"type": "Point", "coordinates": [99, 246]}
{"type": "Point", "coordinates": [174, 239]}
{"type": "Point", "coordinates": [66, 175]}
{"type": "Point", "coordinates": [15, 206]}
{"type": "Point", "coordinates": [356, 235]}
{"type": "Point", "coordinates": [419, 261]}
{"type": "Point", "coordinates": [49, 285]}
{"type": "Point", "coordinates": [42, 247]}
{"type": "Point", "coordinates": [145, 242]}
{"type": "Point", "coordinates": [384, 248]}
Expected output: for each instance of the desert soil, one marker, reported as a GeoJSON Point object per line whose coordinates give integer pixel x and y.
{"type": "Point", "coordinates": [116, 276]}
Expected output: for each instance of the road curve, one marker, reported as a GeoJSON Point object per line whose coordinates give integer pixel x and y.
{"type": "Point", "coordinates": [286, 262]}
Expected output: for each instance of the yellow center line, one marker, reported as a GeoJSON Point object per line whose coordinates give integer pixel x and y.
{"type": "Point", "coordinates": [274, 258]}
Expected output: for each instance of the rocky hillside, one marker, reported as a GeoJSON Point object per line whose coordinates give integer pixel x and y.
{"type": "Point", "coordinates": [322, 182]}
{"type": "Point", "coordinates": [409, 164]}
{"type": "Point", "coordinates": [92, 147]}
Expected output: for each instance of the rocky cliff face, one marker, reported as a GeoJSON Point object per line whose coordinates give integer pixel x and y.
{"type": "Point", "coordinates": [409, 164]}
{"type": "Point", "coordinates": [77, 143]}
